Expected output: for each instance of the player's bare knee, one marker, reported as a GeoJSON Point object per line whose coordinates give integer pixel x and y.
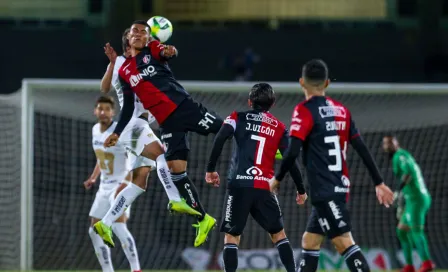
{"type": "Point", "coordinates": [278, 236]}
{"type": "Point", "coordinates": [312, 241]}
{"type": "Point", "coordinates": [153, 150]}
{"type": "Point", "coordinates": [177, 166]}
{"type": "Point", "coordinates": [231, 239]}
{"type": "Point", "coordinates": [140, 176]}
{"type": "Point", "coordinates": [342, 242]}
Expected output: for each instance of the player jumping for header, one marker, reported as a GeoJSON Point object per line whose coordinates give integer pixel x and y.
{"type": "Point", "coordinates": [324, 127]}
{"type": "Point", "coordinates": [410, 229]}
{"type": "Point", "coordinates": [113, 165]}
{"type": "Point", "coordinates": [147, 74]}
{"type": "Point", "coordinates": [139, 139]}
{"type": "Point", "coordinates": [258, 134]}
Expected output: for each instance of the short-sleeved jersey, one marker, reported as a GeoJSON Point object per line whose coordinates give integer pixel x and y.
{"type": "Point", "coordinates": [257, 137]}
{"type": "Point", "coordinates": [326, 127]}
{"type": "Point", "coordinates": [151, 79]}
{"type": "Point", "coordinates": [404, 164]}
{"type": "Point", "coordinates": [138, 106]}
{"type": "Point", "coordinates": [113, 161]}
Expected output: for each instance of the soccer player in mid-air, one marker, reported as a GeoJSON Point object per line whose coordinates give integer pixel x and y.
{"type": "Point", "coordinates": [258, 135]}
{"type": "Point", "coordinates": [410, 229]}
{"type": "Point", "coordinates": [139, 139]}
{"type": "Point", "coordinates": [147, 74]}
{"type": "Point", "coordinates": [324, 127]}
{"type": "Point", "coordinates": [113, 165]}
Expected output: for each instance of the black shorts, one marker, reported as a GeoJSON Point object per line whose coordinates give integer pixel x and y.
{"type": "Point", "coordinates": [329, 218]}
{"type": "Point", "coordinates": [190, 116]}
{"type": "Point", "coordinates": [261, 204]}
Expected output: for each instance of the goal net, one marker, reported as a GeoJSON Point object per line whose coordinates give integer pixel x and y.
{"type": "Point", "coordinates": [46, 154]}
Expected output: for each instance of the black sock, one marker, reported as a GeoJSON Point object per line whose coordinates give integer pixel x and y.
{"type": "Point", "coordinates": [355, 260]}
{"type": "Point", "coordinates": [309, 260]}
{"type": "Point", "coordinates": [230, 256]}
{"type": "Point", "coordinates": [286, 254]}
{"type": "Point", "coordinates": [188, 191]}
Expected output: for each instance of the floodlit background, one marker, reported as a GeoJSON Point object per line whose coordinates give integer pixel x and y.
{"type": "Point", "coordinates": [372, 47]}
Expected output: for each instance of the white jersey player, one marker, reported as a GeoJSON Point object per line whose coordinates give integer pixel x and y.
{"type": "Point", "coordinates": [142, 144]}
{"type": "Point", "coordinates": [113, 167]}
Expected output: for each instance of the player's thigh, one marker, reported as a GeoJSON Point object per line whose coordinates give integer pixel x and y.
{"type": "Point", "coordinates": [415, 212]}
{"type": "Point", "coordinates": [266, 211]}
{"type": "Point", "coordinates": [235, 211]}
{"type": "Point", "coordinates": [137, 136]}
{"type": "Point", "coordinates": [101, 204]}
{"type": "Point", "coordinates": [314, 233]}
{"type": "Point", "coordinates": [176, 145]}
{"type": "Point", "coordinates": [333, 217]}
{"type": "Point", "coordinates": [199, 119]}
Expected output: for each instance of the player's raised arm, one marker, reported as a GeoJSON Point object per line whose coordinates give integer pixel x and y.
{"type": "Point", "coordinates": [106, 81]}
{"type": "Point", "coordinates": [226, 132]}
{"type": "Point", "coordinates": [162, 52]}
{"type": "Point", "coordinates": [294, 171]}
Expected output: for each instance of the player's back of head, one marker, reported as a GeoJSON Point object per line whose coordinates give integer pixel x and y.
{"type": "Point", "coordinates": [124, 40]}
{"type": "Point", "coordinates": [315, 73]}
{"type": "Point", "coordinates": [262, 96]}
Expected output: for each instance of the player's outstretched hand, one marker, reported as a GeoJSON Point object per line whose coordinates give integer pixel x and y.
{"type": "Point", "coordinates": [212, 178]}
{"type": "Point", "coordinates": [300, 199]}
{"type": "Point", "coordinates": [111, 140]}
{"type": "Point", "coordinates": [110, 53]}
{"type": "Point", "coordinates": [169, 51]}
{"type": "Point", "coordinates": [274, 185]}
{"type": "Point", "coordinates": [89, 183]}
{"type": "Point", "coordinates": [385, 195]}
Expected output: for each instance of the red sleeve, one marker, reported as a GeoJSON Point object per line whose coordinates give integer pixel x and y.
{"type": "Point", "coordinates": [301, 123]}
{"type": "Point", "coordinates": [232, 119]}
{"type": "Point", "coordinates": [156, 49]}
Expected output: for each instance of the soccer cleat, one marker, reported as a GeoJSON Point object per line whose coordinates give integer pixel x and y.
{"type": "Point", "coordinates": [427, 266]}
{"type": "Point", "coordinates": [203, 228]}
{"type": "Point", "coordinates": [105, 233]}
{"type": "Point", "coordinates": [408, 268]}
{"type": "Point", "coordinates": [182, 207]}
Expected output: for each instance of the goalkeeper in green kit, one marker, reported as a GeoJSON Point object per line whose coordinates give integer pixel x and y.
{"type": "Point", "coordinates": [410, 229]}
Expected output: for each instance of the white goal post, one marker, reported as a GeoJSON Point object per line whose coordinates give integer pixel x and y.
{"type": "Point", "coordinates": [27, 105]}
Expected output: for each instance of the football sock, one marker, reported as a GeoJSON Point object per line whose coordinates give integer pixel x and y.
{"type": "Point", "coordinates": [230, 256]}
{"type": "Point", "coordinates": [165, 178]}
{"type": "Point", "coordinates": [421, 243]}
{"type": "Point", "coordinates": [102, 251]}
{"type": "Point", "coordinates": [123, 200]}
{"type": "Point", "coordinates": [355, 260]}
{"type": "Point", "coordinates": [286, 254]}
{"type": "Point", "coordinates": [406, 245]}
{"type": "Point", "coordinates": [309, 260]}
{"type": "Point", "coordinates": [128, 244]}
{"type": "Point", "coordinates": [188, 191]}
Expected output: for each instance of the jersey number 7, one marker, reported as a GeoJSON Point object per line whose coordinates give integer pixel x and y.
{"type": "Point", "coordinates": [336, 152]}
{"type": "Point", "coordinates": [260, 149]}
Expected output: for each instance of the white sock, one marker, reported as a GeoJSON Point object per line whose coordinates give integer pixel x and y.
{"type": "Point", "coordinates": [102, 251]}
{"type": "Point", "coordinates": [165, 178]}
{"type": "Point", "coordinates": [123, 200]}
{"type": "Point", "coordinates": [128, 244]}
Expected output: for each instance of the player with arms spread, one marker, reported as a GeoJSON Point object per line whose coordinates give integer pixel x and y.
{"type": "Point", "coordinates": [139, 139]}
{"type": "Point", "coordinates": [148, 75]}
{"type": "Point", "coordinates": [114, 166]}
{"type": "Point", "coordinates": [258, 134]}
{"type": "Point", "coordinates": [324, 127]}
{"type": "Point", "coordinates": [410, 229]}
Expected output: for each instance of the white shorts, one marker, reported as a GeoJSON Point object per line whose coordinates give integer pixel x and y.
{"type": "Point", "coordinates": [102, 203]}
{"type": "Point", "coordinates": [136, 135]}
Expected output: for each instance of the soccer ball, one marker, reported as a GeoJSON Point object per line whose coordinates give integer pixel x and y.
{"type": "Point", "coordinates": [161, 28]}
